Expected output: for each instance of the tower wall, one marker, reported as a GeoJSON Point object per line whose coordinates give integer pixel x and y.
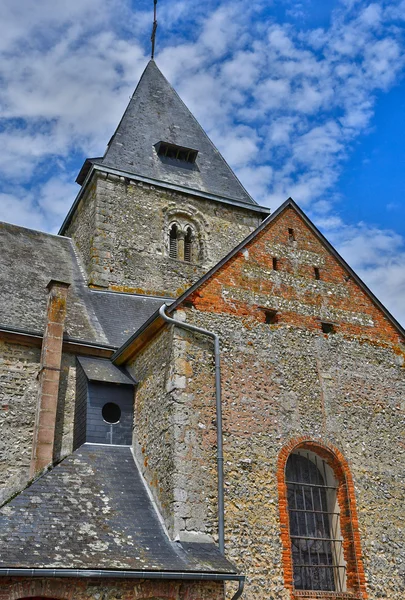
{"type": "Point", "coordinates": [121, 230]}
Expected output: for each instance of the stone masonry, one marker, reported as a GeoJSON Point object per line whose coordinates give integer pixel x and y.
{"type": "Point", "coordinates": [284, 382]}
{"type": "Point", "coordinates": [115, 589]}
{"type": "Point", "coordinates": [170, 424]}
{"type": "Point", "coordinates": [121, 230]}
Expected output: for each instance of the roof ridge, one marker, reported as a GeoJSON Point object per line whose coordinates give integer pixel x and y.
{"type": "Point", "coordinates": [56, 235]}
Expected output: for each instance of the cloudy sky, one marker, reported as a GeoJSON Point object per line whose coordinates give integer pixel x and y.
{"type": "Point", "coordinates": [304, 99]}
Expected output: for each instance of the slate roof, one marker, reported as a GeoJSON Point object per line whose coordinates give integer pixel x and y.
{"type": "Point", "coordinates": [156, 113]}
{"type": "Point", "coordinates": [92, 511]}
{"type": "Point", "coordinates": [103, 370]}
{"type": "Point", "coordinates": [29, 259]}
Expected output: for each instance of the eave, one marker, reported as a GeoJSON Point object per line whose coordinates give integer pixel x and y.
{"type": "Point", "coordinates": [95, 168]}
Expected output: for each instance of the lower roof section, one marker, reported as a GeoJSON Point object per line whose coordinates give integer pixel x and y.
{"type": "Point", "coordinates": [92, 512]}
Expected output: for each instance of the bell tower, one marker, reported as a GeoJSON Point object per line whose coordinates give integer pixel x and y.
{"type": "Point", "coordinates": [162, 206]}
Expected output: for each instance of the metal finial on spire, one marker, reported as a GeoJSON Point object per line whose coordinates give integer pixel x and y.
{"type": "Point", "coordinates": [155, 24]}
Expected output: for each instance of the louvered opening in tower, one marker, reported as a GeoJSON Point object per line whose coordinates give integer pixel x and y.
{"type": "Point", "coordinates": [179, 153]}
{"type": "Point", "coordinates": [173, 241]}
{"type": "Point", "coordinates": [188, 245]}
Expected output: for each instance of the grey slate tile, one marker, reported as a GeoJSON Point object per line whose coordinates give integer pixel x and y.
{"type": "Point", "coordinates": [156, 113]}
{"type": "Point", "coordinates": [92, 511]}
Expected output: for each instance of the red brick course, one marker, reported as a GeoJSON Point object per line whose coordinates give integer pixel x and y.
{"type": "Point", "coordinates": [355, 580]}
{"type": "Point", "coordinates": [239, 273]}
{"type": "Point", "coordinates": [51, 356]}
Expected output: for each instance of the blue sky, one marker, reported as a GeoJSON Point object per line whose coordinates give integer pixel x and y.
{"type": "Point", "coordinates": [304, 99]}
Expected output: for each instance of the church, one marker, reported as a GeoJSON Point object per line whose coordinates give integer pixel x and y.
{"type": "Point", "coordinates": [199, 400]}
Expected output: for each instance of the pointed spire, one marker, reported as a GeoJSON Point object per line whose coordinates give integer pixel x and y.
{"type": "Point", "coordinates": [154, 28]}
{"type": "Point", "coordinates": [156, 114]}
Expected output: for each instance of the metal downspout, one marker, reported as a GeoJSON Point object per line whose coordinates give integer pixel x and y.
{"type": "Point", "coordinates": [220, 458]}
{"type": "Point", "coordinates": [240, 589]}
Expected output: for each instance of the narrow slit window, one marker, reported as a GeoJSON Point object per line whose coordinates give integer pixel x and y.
{"type": "Point", "coordinates": [275, 263]}
{"type": "Point", "coordinates": [188, 245]}
{"type": "Point", "coordinates": [270, 317]}
{"type": "Point", "coordinates": [291, 235]}
{"type": "Point", "coordinates": [173, 241]}
{"type": "Point", "coordinates": [327, 327]}
{"type": "Point", "coordinates": [317, 273]}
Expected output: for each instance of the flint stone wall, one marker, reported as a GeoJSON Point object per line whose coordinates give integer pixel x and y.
{"type": "Point", "coordinates": [289, 380]}
{"type": "Point", "coordinates": [96, 589]}
{"type": "Point", "coordinates": [121, 232]}
{"type": "Point", "coordinates": [167, 440]}
{"type": "Point", "coordinates": [19, 367]}
{"type": "Point", "coordinates": [284, 383]}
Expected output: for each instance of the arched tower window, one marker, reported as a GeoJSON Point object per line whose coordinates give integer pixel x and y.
{"type": "Point", "coordinates": [183, 242]}
{"type": "Point", "coordinates": [319, 525]}
{"type": "Point", "coordinates": [173, 241]}
{"type": "Point", "coordinates": [188, 245]}
{"type": "Point", "coordinates": [316, 542]}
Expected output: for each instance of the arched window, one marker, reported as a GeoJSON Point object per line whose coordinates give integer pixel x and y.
{"type": "Point", "coordinates": [173, 241]}
{"type": "Point", "coordinates": [319, 526]}
{"type": "Point", "coordinates": [188, 245]}
{"type": "Point", "coordinates": [316, 543]}
{"type": "Point", "coordinates": [182, 242]}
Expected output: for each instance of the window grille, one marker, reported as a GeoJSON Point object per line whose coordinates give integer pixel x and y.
{"type": "Point", "coordinates": [188, 245]}
{"type": "Point", "coordinates": [316, 543]}
{"type": "Point", "coordinates": [173, 242]}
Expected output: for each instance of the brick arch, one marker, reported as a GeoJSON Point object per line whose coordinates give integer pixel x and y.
{"type": "Point", "coordinates": [355, 579]}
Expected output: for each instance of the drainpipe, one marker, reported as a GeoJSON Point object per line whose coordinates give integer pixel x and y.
{"type": "Point", "coordinates": [49, 376]}
{"type": "Point", "coordinates": [220, 458]}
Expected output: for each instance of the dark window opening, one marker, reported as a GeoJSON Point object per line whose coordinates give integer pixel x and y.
{"type": "Point", "coordinates": [316, 544]}
{"type": "Point", "coordinates": [291, 235]}
{"type": "Point", "coordinates": [176, 152]}
{"type": "Point", "coordinates": [275, 263]}
{"type": "Point", "coordinates": [188, 245]}
{"type": "Point", "coordinates": [270, 317]}
{"type": "Point", "coordinates": [328, 327]}
{"type": "Point", "coordinates": [111, 413]}
{"type": "Point", "coordinates": [173, 242]}
{"type": "Point", "coordinates": [317, 273]}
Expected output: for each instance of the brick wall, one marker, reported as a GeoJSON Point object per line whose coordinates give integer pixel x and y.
{"type": "Point", "coordinates": [127, 224]}
{"type": "Point", "coordinates": [287, 380]}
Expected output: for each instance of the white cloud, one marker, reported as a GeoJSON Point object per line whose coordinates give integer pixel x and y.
{"type": "Point", "coordinates": [283, 105]}
{"type": "Point", "coordinates": [378, 257]}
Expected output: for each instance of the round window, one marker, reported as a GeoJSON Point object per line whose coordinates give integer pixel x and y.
{"type": "Point", "coordinates": [111, 413]}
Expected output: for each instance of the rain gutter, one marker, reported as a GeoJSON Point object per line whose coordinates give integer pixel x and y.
{"type": "Point", "coordinates": [104, 573]}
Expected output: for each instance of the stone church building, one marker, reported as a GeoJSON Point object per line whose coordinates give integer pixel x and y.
{"type": "Point", "coordinates": [199, 400]}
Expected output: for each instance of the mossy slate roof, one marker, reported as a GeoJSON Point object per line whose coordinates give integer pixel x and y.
{"type": "Point", "coordinates": [92, 511]}
{"type": "Point", "coordinates": [156, 114]}
{"type": "Point", "coordinates": [30, 259]}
